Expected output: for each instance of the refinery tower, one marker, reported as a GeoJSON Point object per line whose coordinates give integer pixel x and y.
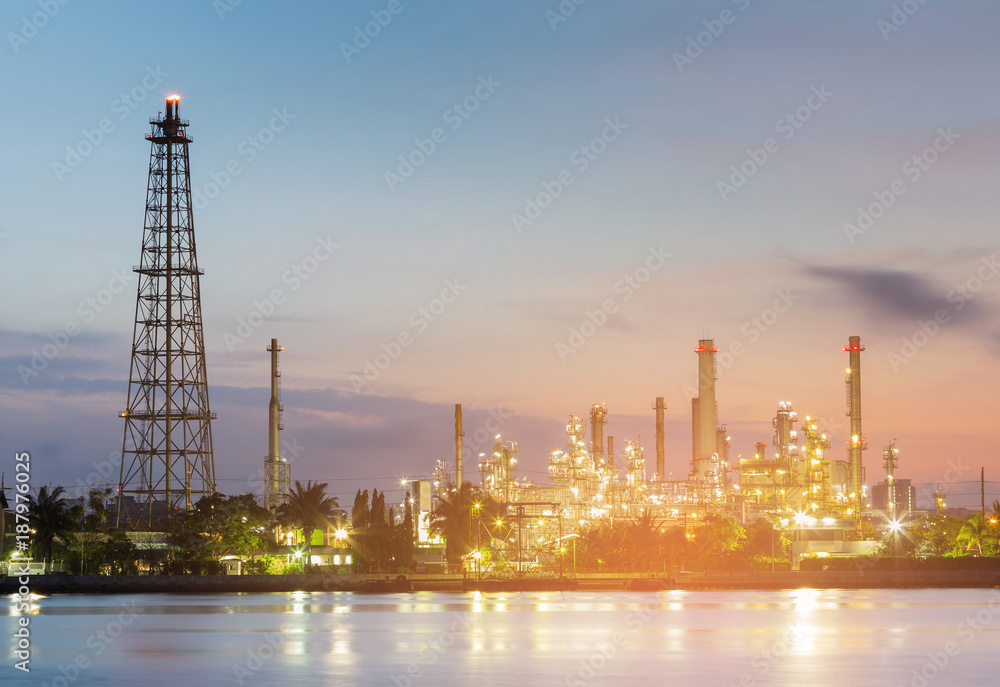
{"type": "Point", "coordinates": [167, 461]}
{"type": "Point", "coordinates": [277, 471]}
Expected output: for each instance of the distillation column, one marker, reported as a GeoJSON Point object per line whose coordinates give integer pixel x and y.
{"type": "Point", "coordinates": [598, 416]}
{"type": "Point", "coordinates": [856, 442]}
{"type": "Point", "coordinates": [277, 482]}
{"type": "Point", "coordinates": [659, 407]}
{"type": "Point", "coordinates": [458, 444]}
{"type": "Point", "coordinates": [890, 459]}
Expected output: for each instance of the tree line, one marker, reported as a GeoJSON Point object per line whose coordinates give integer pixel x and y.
{"type": "Point", "coordinates": [86, 533]}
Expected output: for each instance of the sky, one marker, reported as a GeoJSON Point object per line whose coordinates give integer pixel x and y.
{"type": "Point", "coordinates": [549, 202]}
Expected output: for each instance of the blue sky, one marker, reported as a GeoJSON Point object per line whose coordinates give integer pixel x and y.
{"type": "Point", "coordinates": [654, 187]}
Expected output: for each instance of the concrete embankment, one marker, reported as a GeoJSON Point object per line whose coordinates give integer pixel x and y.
{"type": "Point", "coordinates": [219, 584]}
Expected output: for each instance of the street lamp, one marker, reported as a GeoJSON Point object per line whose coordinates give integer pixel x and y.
{"type": "Point", "coordinates": [895, 526]}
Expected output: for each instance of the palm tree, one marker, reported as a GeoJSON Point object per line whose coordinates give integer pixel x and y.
{"type": "Point", "coordinates": [51, 516]}
{"type": "Point", "coordinates": [452, 519]}
{"type": "Point", "coordinates": [643, 534]}
{"type": "Point", "coordinates": [972, 534]}
{"type": "Point", "coordinates": [460, 516]}
{"type": "Point", "coordinates": [993, 516]}
{"type": "Point", "coordinates": [309, 508]}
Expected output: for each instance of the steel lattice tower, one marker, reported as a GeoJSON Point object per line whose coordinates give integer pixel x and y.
{"type": "Point", "coordinates": [167, 459]}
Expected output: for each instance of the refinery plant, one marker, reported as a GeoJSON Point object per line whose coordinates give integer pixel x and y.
{"type": "Point", "coordinates": [167, 457]}
{"type": "Point", "coordinates": [795, 481]}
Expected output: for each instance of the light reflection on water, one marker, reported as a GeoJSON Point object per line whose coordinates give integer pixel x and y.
{"type": "Point", "coordinates": [796, 637]}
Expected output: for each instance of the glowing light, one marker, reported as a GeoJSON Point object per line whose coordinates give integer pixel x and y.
{"type": "Point", "coordinates": [340, 534]}
{"type": "Point", "coordinates": [895, 526]}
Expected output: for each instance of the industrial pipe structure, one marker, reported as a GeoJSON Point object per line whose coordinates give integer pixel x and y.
{"type": "Point", "coordinates": [277, 482]}
{"type": "Point", "coordinates": [167, 460]}
{"type": "Point", "coordinates": [458, 444]}
{"type": "Point", "coordinates": [890, 459]}
{"type": "Point", "coordinates": [704, 412]}
{"type": "Point", "coordinates": [659, 407]}
{"type": "Point", "coordinates": [598, 416]}
{"type": "Point", "coordinates": [856, 442]}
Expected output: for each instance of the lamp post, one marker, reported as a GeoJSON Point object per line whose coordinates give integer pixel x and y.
{"type": "Point", "coordinates": [478, 554]}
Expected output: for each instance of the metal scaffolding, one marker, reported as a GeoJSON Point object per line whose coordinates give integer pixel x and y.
{"type": "Point", "coordinates": [167, 461]}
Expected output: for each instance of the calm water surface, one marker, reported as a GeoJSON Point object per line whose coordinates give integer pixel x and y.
{"type": "Point", "coordinates": [710, 638]}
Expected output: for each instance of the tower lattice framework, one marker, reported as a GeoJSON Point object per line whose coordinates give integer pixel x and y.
{"type": "Point", "coordinates": [167, 461]}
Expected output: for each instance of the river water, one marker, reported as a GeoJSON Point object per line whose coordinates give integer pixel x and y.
{"type": "Point", "coordinates": [852, 638]}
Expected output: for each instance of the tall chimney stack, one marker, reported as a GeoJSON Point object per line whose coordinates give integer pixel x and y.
{"type": "Point", "coordinates": [277, 478]}
{"type": "Point", "coordinates": [706, 429]}
{"type": "Point", "coordinates": [856, 442]}
{"type": "Point", "coordinates": [598, 415]}
{"type": "Point", "coordinates": [458, 445]}
{"type": "Point", "coordinates": [660, 474]}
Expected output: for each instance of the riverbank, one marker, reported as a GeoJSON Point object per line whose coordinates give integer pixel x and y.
{"type": "Point", "coordinates": [219, 584]}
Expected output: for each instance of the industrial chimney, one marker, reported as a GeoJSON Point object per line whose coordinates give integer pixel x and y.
{"type": "Point", "coordinates": [659, 407]}
{"type": "Point", "coordinates": [705, 412]}
{"type": "Point", "coordinates": [277, 475]}
{"type": "Point", "coordinates": [598, 416]}
{"type": "Point", "coordinates": [458, 444]}
{"type": "Point", "coordinates": [856, 442]}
